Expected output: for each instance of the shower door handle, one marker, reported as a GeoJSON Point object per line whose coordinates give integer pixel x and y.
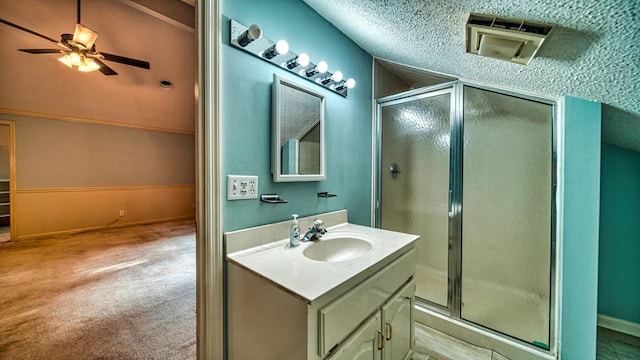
{"type": "Point", "coordinates": [395, 170]}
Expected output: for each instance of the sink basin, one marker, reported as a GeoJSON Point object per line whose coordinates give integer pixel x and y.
{"type": "Point", "coordinates": [339, 248]}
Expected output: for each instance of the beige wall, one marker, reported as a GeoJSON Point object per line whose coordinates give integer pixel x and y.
{"type": "Point", "coordinates": [61, 154]}
{"type": "Point", "coordinates": [72, 176]}
{"type": "Point", "coordinates": [57, 211]}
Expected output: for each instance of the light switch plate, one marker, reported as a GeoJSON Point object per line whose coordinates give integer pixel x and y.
{"type": "Point", "coordinates": [242, 187]}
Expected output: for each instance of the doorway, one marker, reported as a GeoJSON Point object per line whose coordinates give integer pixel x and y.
{"type": "Point", "coordinates": [7, 179]}
{"type": "Point", "coordinates": [472, 171]}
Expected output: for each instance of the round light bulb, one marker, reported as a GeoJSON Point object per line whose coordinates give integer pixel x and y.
{"type": "Point", "coordinates": [84, 68]}
{"type": "Point", "coordinates": [75, 59]}
{"type": "Point", "coordinates": [254, 32]}
{"type": "Point", "coordinates": [337, 76]}
{"type": "Point", "coordinates": [322, 67]}
{"type": "Point", "coordinates": [92, 65]}
{"type": "Point", "coordinates": [65, 60]}
{"type": "Point", "coordinates": [350, 83]}
{"type": "Point", "coordinates": [282, 47]}
{"type": "Point", "coordinates": [303, 59]}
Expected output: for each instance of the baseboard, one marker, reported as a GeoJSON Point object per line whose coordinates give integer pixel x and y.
{"type": "Point", "coordinates": [106, 227]}
{"type": "Point", "coordinates": [619, 325]}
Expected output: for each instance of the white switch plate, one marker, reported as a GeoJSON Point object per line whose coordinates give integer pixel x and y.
{"type": "Point", "coordinates": [242, 187]}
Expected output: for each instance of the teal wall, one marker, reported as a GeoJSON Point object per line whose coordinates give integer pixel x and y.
{"type": "Point", "coordinates": [246, 116]}
{"type": "Point", "coordinates": [619, 268]}
{"type": "Point", "coordinates": [580, 201]}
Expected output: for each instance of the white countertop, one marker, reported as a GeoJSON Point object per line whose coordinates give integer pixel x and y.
{"type": "Point", "coordinates": [288, 268]}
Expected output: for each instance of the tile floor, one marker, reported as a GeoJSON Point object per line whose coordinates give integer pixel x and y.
{"type": "Point", "coordinates": [613, 345]}
{"type": "Point", "coordinates": [434, 345]}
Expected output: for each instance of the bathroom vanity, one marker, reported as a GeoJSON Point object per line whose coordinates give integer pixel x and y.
{"type": "Point", "coordinates": [346, 296]}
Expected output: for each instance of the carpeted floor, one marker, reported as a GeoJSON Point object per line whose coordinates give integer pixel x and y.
{"type": "Point", "coordinates": [127, 293]}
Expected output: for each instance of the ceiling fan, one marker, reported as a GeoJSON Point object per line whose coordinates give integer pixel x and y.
{"type": "Point", "coordinates": [79, 49]}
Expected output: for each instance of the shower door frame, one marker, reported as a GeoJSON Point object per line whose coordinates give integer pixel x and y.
{"type": "Point", "coordinates": [454, 294]}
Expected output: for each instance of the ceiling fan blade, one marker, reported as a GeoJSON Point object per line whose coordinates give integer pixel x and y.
{"type": "Point", "coordinates": [40, 51]}
{"type": "Point", "coordinates": [126, 60]}
{"type": "Point", "coordinates": [104, 69]}
{"type": "Point", "coordinates": [27, 30]}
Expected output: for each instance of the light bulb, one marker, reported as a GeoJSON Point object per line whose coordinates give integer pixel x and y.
{"type": "Point", "coordinates": [254, 32]}
{"type": "Point", "coordinates": [303, 59]}
{"type": "Point", "coordinates": [300, 60]}
{"type": "Point", "coordinates": [65, 60]}
{"type": "Point", "coordinates": [350, 83]}
{"type": "Point", "coordinates": [281, 47]}
{"type": "Point", "coordinates": [322, 67]}
{"type": "Point", "coordinates": [75, 59]}
{"type": "Point", "coordinates": [92, 65]}
{"type": "Point", "coordinates": [335, 78]}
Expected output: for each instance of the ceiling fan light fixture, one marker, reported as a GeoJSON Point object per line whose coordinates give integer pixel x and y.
{"type": "Point", "coordinates": [84, 37]}
{"type": "Point", "coordinates": [74, 58]}
{"type": "Point", "coordinates": [65, 60]}
{"type": "Point", "coordinates": [80, 62]}
{"type": "Point", "coordinates": [88, 65]}
{"type": "Point", "coordinates": [78, 49]}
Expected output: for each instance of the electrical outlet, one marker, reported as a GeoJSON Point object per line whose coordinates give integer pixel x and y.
{"type": "Point", "coordinates": [121, 213]}
{"type": "Point", "coordinates": [241, 187]}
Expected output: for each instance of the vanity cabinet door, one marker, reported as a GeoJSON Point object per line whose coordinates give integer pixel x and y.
{"type": "Point", "coordinates": [364, 343]}
{"type": "Point", "coordinates": [340, 317]}
{"type": "Point", "coordinates": [397, 324]}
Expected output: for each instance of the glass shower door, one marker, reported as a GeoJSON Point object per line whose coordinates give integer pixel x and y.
{"type": "Point", "coordinates": [506, 214]}
{"type": "Point", "coordinates": [414, 183]}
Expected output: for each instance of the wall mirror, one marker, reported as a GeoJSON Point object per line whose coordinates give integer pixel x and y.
{"type": "Point", "coordinates": [297, 132]}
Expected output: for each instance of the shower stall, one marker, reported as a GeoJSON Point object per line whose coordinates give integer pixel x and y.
{"type": "Point", "coordinates": [471, 169]}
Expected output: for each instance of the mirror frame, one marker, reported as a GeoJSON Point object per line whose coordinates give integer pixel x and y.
{"type": "Point", "coordinates": [276, 159]}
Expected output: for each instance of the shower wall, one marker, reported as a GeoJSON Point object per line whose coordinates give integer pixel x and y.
{"type": "Point", "coordinates": [619, 233]}
{"type": "Point", "coordinates": [481, 203]}
{"type": "Point", "coordinates": [415, 139]}
{"type": "Point", "coordinates": [580, 207]}
{"type": "Point", "coordinates": [506, 214]}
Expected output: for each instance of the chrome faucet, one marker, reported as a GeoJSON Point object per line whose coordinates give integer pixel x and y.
{"type": "Point", "coordinates": [315, 231]}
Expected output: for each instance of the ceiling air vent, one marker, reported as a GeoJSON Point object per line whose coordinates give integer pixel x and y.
{"type": "Point", "coordinates": [505, 39]}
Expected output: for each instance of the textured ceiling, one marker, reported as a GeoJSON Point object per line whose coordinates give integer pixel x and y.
{"type": "Point", "coordinates": [594, 52]}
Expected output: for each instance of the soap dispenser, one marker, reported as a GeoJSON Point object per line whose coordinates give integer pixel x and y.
{"type": "Point", "coordinates": [294, 232]}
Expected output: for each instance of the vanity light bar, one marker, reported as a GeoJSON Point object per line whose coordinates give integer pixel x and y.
{"type": "Point", "coordinates": [250, 39]}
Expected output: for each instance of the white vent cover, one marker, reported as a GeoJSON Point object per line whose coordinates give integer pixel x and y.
{"type": "Point", "coordinates": [505, 39]}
